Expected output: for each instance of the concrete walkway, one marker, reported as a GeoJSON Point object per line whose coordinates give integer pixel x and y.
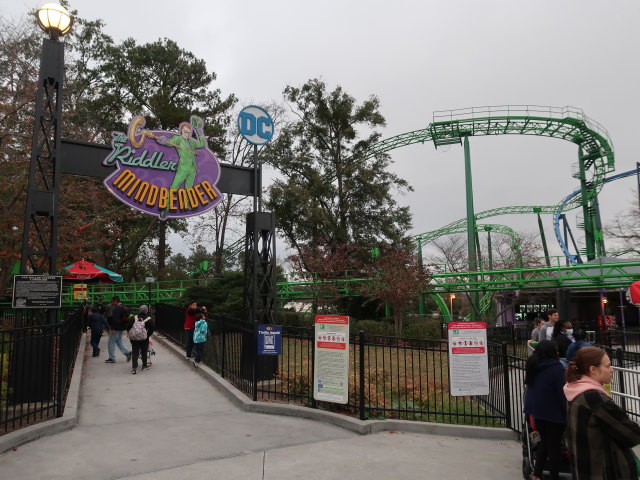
{"type": "Point", "coordinates": [170, 423]}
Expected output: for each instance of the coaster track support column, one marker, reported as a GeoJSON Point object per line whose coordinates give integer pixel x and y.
{"type": "Point", "coordinates": [471, 227]}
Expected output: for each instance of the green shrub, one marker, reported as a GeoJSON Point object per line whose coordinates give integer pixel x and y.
{"type": "Point", "coordinates": [294, 319]}
{"type": "Point", "coordinates": [423, 328]}
{"type": "Point", "coordinates": [373, 327]}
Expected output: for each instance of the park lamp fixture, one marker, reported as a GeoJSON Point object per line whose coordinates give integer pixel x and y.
{"type": "Point", "coordinates": [54, 19]}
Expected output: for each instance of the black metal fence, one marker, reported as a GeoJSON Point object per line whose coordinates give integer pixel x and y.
{"type": "Point", "coordinates": [390, 377]}
{"type": "Point", "coordinates": [36, 363]}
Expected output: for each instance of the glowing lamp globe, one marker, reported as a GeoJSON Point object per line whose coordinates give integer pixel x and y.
{"type": "Point", "coordinates": [54, 19]}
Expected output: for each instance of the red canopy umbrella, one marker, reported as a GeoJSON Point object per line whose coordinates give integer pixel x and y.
{"type": "Point", "coordinates": [84, 270]}
{"type": "Point", "coordinates": [634, 293]}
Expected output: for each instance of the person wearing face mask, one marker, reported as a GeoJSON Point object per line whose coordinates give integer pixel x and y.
{"type": "Point", "coordinates": [580, 341]}
{"type": "Point", "coordinates": [563, 335]}
{"type": "Point", "coordinates": [600, 435]}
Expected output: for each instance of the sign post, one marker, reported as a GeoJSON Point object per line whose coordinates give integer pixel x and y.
{"type": "Point", "coordinates": [468, 360]}
{"type": "Point", "coordinates": [256, 127]}
{"type": "Point", "coordinates": [331, 366]}
{"type": "Point", "coordinates": [149, 281]}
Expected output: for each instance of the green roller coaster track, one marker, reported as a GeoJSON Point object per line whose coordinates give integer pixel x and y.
{"type": "Point", "coordinates": [595, 159]}
{"type": "Point", "coordinates": [596, 155]}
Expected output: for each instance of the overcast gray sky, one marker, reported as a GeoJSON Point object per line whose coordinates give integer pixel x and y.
{"type": "Point", "coordinates": [422, 56]}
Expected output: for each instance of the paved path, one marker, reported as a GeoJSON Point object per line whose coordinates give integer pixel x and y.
{"type": "Point", "coordinates": [169, 423]}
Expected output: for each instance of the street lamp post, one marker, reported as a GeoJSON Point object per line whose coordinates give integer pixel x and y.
{"type": "Point", "coordinates": [39, 237]}
{"type": "Point", "coordinates": [451, 297]}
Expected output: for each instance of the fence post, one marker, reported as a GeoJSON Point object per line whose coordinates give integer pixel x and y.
{"type": "Point", "coordinates": [224, 343]}
{"type": "Point", "coordinates": [507, 386]}
{"type": "Point", "coordinates": [254, 372]}
{"type": "Point", "coordinates": [311, 336]}
{"type": "Point", "coordinates": [61, 351]}
{"type": "Point", "coordinates": [361, 407]}
{"type": "Point", "coordinates": [620, 358]}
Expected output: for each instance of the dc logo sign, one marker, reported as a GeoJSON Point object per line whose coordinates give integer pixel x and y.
{"type": "Point", "coordinates": [255, 125]}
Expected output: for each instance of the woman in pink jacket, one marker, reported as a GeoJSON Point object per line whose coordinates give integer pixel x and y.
{"type": "Point", "coordinates": [600, 435]}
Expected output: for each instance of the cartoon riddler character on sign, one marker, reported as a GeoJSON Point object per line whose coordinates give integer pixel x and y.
{"type": "Point", "coordinates": [186, 145]}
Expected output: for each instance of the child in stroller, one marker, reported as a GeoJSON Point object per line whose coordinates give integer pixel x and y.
{"type": "Point", "coordinates": [530, 443]}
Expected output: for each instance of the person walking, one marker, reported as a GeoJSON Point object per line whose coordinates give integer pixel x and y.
{"type": "Point", "coordinates": [600, 435]}
{"type": "Point", "coordinates": [544, 400]}
{"type": "Point", "coordinates": [140, 327]}
{"type": "Point", "coordinates": [98, 324]}
{"type": "Point", "coordinates": [117, 323]}
{"type": "Point", "coordinates": [200, 335]}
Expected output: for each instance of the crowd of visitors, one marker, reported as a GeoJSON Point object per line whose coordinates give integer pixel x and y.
{"type": "Point", "coordinates": [116, 319]}
{"type": "Point", "coordinates": [567, 399]}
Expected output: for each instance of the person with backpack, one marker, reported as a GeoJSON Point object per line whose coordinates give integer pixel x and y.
{"type": "Point", "coordinates": [140, 328]}
{"type": "Point", "coordinates": [200, 335]}
{"type": "Point", "coordinates": [117, 322]}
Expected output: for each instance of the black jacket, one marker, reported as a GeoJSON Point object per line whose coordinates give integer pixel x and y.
{"type": "Point", "coordinates": [544, 398]}
{"type": "Point", "coordinates": [97, 322]}
{"type": "Point", "coordinates": [118, 312]}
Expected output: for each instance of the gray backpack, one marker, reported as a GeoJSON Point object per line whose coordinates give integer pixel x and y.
{"type": "Point", "coordinates": [138, 330]}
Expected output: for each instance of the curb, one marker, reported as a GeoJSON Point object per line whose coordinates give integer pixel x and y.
{"type": "Point", "coordinates": [361, 427]}
{"type": "Point", "coordinates": [57, 425]}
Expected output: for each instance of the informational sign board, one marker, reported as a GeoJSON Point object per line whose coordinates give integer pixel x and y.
{"type": "Point", "coordinates": [331, 366]}
{"type": "Point", "coordinates": [169, 174]}
{"type": "Point", "coordinates": [80, 291]}
{"type": "Point", "coordinates": [37, 291]}
{"type": "Point", "coordinates": [269, 339]}
{"type": "Point", "coordinates": [468, 359]}
{"type": "Point", "coordinates": [150, 279]}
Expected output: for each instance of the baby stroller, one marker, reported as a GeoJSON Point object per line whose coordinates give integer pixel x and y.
{"type": "Point", "coordinates": [530, 444]}
{"type": "Point", "coordinates": [150, 352]}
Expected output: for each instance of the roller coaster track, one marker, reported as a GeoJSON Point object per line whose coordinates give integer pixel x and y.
{"type": "Point", "coordinates": [459, 226]}
{"type": "Point", "coordinates": [567, 123]}
{"type": "Point", "coordinates": [570, 199]}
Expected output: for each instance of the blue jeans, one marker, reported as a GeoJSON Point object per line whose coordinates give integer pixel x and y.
{"type": "Point", "coordinates": [115, 338]}
{"type": "Point", "coordinates": [198, 347]}
{"type": "Point", "coordinates": [189, 334]}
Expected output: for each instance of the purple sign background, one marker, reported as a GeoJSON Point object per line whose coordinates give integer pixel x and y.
{"type": "Point", "coordinates": [146, 166]}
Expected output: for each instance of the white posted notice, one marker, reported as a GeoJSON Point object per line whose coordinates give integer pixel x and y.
{"type": "Point", "coordinates": [468, 360]}
{"type": "Point", "coordinates": [331, 360]}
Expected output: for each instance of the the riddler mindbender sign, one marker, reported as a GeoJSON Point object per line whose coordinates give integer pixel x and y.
{"type": "Point", "coordinates": [468, 360]}
{"type": "Point", "coordinates": [331, 359]}
{"type": "Point", "coordinates": [164, 173]}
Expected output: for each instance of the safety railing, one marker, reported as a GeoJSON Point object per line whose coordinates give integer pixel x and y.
{"type": "Point", "coordinates": [36, 363]}
{"type": "Point", "coordinates": [389, 377]}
